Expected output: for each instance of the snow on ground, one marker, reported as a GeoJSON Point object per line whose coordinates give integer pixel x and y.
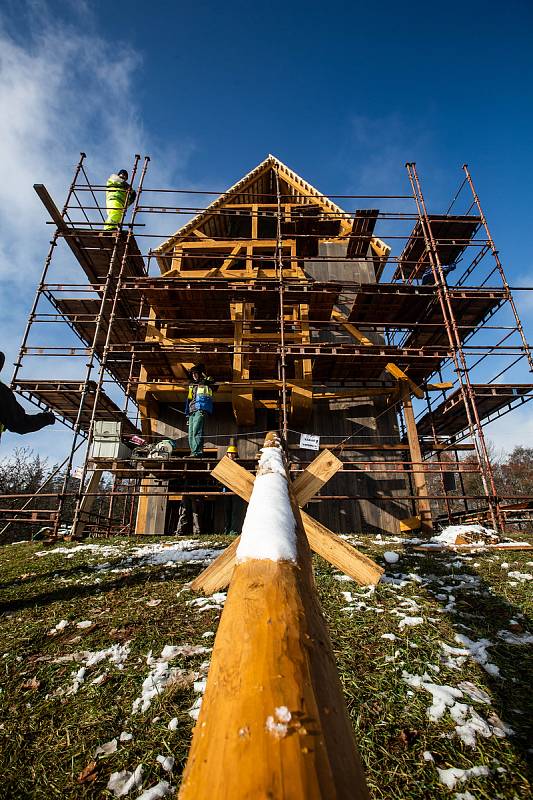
{"type": "Point", "coordinates": [167, 762]}
{"type": "Point", "coordinates": [449, 534]}
{"type": "Point", "coordinates": [162, 674]}
{"type": "Point", "coordinates": [213, 601]}
{"type": "Point", "coordinates": [355, 604]}
{"type": "Point", "coordinates": [516, 638]}
{"type": "Point", "coordinates": [169, 553]}
{"type": "Point", "coordinates": [520, 576]}
{"type": "Point", "coordinates": [199, 687]}
{"type": "Point", "coordinates": [469, 723]}
{"type": "Point", "coordinates": [161, 789]}
{"type": "Point", "coordinates": [105, 551]}
{"type": "Point", "coordinates": [116, 655]}
{"type": "Point", "coordinates": [123, 782]}
{"type": "Point", "coordinates": [452, 776]}
{"type": "Point", "coordinates": [391, 557]}
{"type": "Point", "coordinates": [61, 625]}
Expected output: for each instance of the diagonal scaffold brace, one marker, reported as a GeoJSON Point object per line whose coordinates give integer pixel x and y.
{"type": "Point", "coordinates": [273, 721]}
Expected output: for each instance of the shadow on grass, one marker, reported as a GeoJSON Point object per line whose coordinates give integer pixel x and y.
{"type": "Point", "coordinates": [186, 573]}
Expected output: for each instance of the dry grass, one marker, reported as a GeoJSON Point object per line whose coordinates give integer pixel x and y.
{"type": "Point", "coordinates": [49, 737]}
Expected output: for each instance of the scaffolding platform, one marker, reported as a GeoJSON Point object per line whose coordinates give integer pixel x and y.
{"type": "Point", "coordinates": [449, 418]}
{"type": "Point", "coordinates": [83, 316]}
{"type": "Point", "coordinates": [452, 235]}
{"type": "Point", "coordinates": [471, 308]}
{"type": "Point", "coordinates": [330, 361]}
{"type": "Point", "coordinates": [94, 249]}
{"type": "Point", "coordinates": [201, 298]}
{"type": "Point", "coordinates": [63, 397]}
{"type": "Point", "coordinates": [399, 304]}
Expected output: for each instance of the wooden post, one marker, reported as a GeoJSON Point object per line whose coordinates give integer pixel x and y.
{"type": "Point", "coordinates": [87, 502]}
{"type": "Point", "coordinates": [419, 477]}
{"type": "Point", "coordinates": [273, 721]}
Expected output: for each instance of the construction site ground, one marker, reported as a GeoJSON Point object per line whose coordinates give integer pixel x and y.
{"type": "Point", "coordinates": [436, 665]}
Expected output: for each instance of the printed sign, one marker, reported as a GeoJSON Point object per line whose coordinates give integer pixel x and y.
{"type": "Point", "coordinates": [309, 441]}
{"type": "Point", "coordinates": [77, 473]}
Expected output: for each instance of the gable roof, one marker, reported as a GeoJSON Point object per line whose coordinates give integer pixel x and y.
{"type": "Point", "coordinates": [298, 185]}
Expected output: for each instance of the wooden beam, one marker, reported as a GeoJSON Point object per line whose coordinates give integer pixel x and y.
{"type": "Point", "coordinates": [242, 397]}
{"type": "Point", "coordinates": [313, 478]}
{"type": "Point", "coordinates": [302, 398]}
{"type": "Point", "coordinates": [228, 244]}
{"type": "Point", "coordinates": [338, 552]}
{"type": "Point", "coordinates": [231, 258]}
{"type": "Point", "coordinates": [436, 387]}
{"type": "Point", "coordinates": [87, 502]}
{"type": "Point", "coordinates": [391, 368]}
{"type": "Point", "coordinates": [48, 203]}
{"type": "Point", "coordinates": [218, 574]}
{"type": "Point", "coordinates": [362, 229]}
{"type": "Point", "coordinates": [419, 476]}
{"type": "Point", "coordinates": [281, 644]}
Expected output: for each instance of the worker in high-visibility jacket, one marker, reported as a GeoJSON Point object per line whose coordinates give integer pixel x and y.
{"type": "Point", "coordinates": [234, 507]}
{"type": "Point", "coordinates": [119, 195]}
{"type": "Point", "coordinates": [199, 404]}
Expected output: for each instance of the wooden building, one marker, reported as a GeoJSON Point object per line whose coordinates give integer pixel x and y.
{"type": "Point", "coordinates": [260, 288]}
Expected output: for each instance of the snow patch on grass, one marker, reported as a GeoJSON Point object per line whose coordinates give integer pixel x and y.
{"type": "Point", "coordinates": [214, 601]}
{"type": "Point", "coordinates": [161, 673]}
{"type": "Point", "coordinates": [121, 783]}
{"type": "Point", "coordinates": [452, 776]}
{"type": "Point", "coordinates": [469, 724]}
{"type": "Point", "coordinates": [161, 789]}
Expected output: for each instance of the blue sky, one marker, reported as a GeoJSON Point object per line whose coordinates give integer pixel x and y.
{"type": "Point", "coordinates": [343, 93]}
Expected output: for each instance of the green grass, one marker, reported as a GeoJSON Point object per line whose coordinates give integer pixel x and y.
{"type": "Point", "coordinates": [48, 738]}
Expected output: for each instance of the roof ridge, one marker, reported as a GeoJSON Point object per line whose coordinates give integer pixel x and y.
{"type": "Point", "coordinates": [307, 191]}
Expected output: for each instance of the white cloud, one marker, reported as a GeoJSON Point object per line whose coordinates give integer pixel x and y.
{"type": "Point", "coordinates": [513, 430]}
{"type": "Point", "coordinates": [63, 89]}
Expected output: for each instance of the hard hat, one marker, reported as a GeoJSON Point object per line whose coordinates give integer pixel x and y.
{"type": "Point", "coordinates": [123, 174]}
{"type": "Point", "coordinates": [232, 449]}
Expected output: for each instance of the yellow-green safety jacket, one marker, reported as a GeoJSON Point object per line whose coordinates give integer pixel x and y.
{"type": "Point", "coordinates": [115, 196]}
{"type": "Point", "coordinates": [200, 397]}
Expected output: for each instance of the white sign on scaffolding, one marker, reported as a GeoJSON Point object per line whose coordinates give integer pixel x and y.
{"type": "Point", "coordinates": [309, 441]}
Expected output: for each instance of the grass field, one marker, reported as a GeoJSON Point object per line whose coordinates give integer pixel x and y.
{"type": "Point", "coordinates": [438, 620]}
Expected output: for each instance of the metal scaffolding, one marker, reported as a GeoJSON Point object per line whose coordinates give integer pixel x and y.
{"type": "Point", "coordinates": [260, 284]}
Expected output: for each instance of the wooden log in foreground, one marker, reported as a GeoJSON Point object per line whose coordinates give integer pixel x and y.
{"type": "Point", "coordinates": [273, 722]}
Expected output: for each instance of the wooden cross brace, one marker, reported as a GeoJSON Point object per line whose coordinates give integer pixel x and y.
{"type": "Point", "coordinates": [323, 541]}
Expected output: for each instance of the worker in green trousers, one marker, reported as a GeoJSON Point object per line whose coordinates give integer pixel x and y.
{"type": "Point", "coordinates": [199, 404]}
{"type": "Point", "coordinates": [119, 195]}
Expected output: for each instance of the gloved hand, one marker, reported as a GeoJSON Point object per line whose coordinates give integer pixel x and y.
{"type": "Point", "coordinates": [50, 418]}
